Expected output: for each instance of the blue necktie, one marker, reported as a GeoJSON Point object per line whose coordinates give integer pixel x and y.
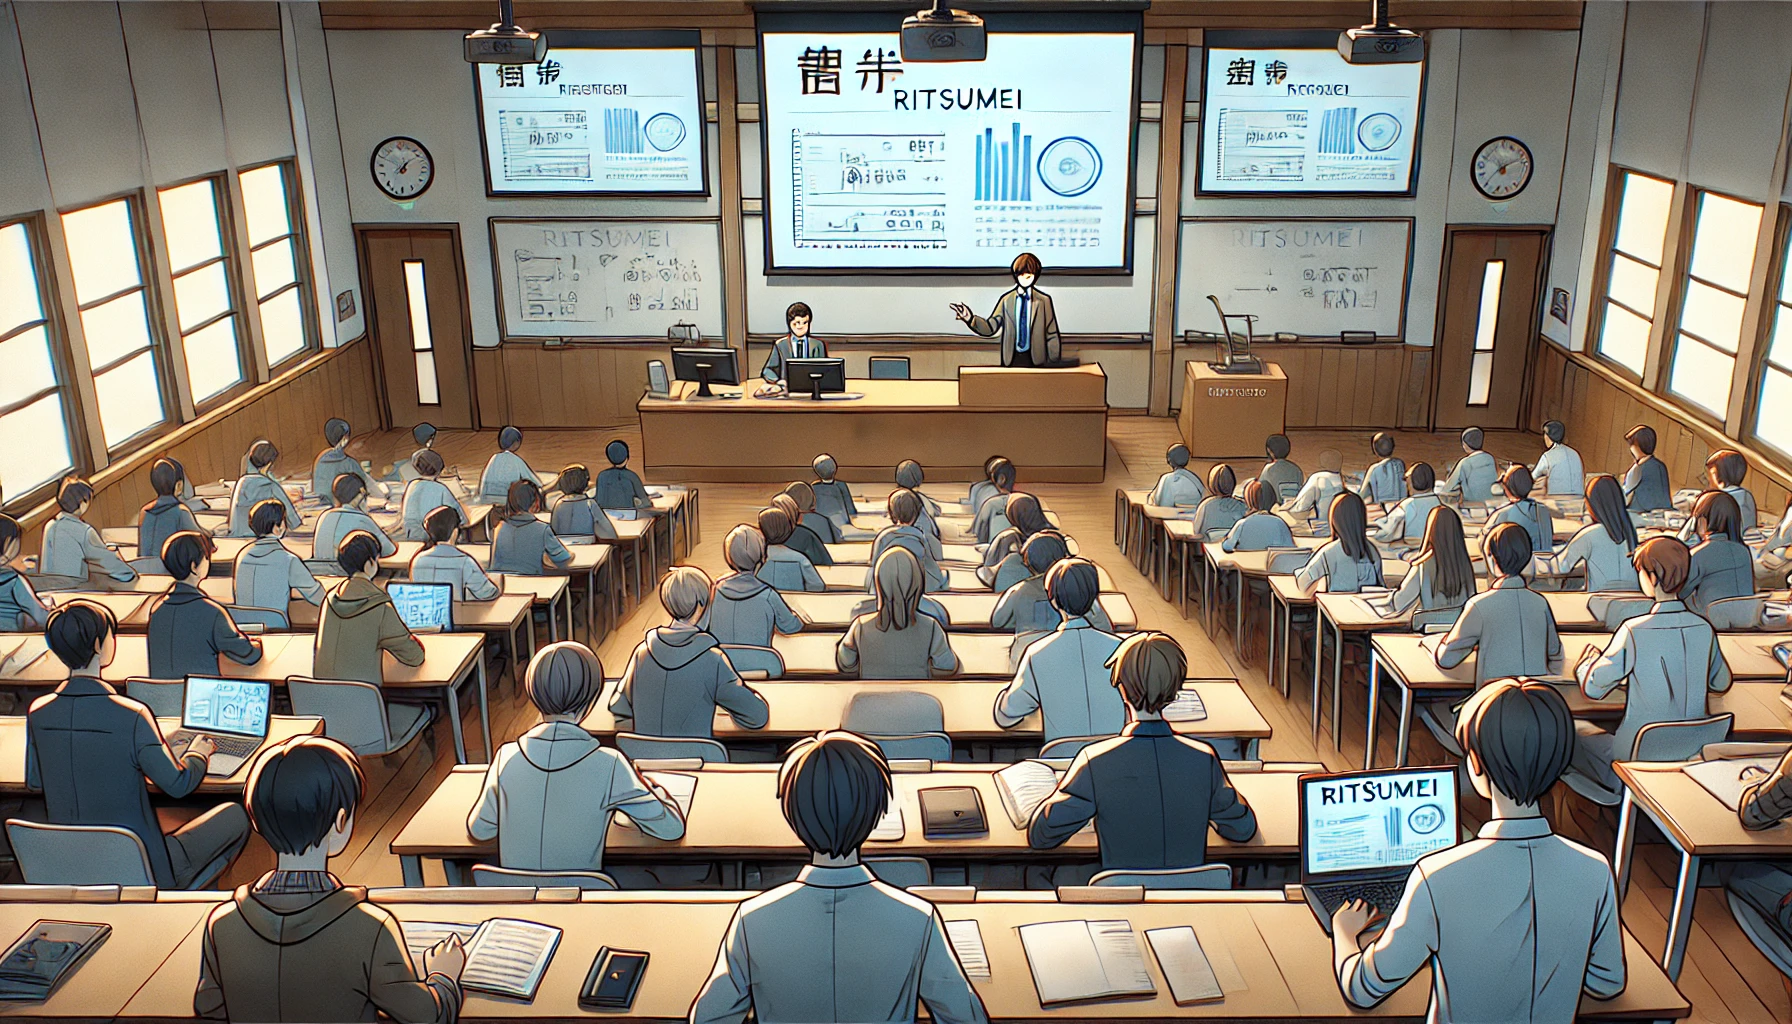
{"type": "Point", "coordinates": [1022, 342]}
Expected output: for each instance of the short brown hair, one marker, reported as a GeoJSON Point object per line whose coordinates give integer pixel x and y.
{"type": "Point", "coordinates": [1730, 465]}
{"type": "Point", "coordinates": [1643, 437]}
{"type": "Point", "coordinates": [1148, 668]}
{"type": "Point", "coordinates": [1666, 559]}
{"type": "Point", "coordinates": [796, 309]}
{"type": "Point", "coordinates": [802, 494]}
{"type": "Point", "coordinates": [905, 507]}
{"type": "Point", "coordinates": [1026, 263]}
{"type": "Point", "coordinates": [775, 524]}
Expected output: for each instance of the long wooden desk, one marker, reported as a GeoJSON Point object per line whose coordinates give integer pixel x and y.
{"type": "Point", "coordinates": [969, 612]}
{"type": "Point", "coordinates": [980, 656]}
{"type": "Point", "coordinates": [280, 729]}
{"type": "Point", "coordinates": [949, 426]}
{"type": "Point", "coordinates": [855, 578]}
{"type": "Point", "coordinates": [145, 935]}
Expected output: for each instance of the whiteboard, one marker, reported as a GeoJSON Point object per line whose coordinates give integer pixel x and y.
{"type": "Point", "coordinates": [597, 278]}
{"type": "Point", "coordinates": [1313, 278]}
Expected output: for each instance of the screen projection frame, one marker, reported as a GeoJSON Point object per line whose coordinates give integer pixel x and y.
{"type": "Point", "coordinates": [1230, 39]}
{"type": "Point", "coordinates": [1112, 22]}
{"type": "Point", "coordinates": [671, 40]}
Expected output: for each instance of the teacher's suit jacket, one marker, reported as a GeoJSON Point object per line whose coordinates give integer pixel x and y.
{"type": "Point", "coordinates": [1005, 320]}
{"type": "Point", "coordinates": [785, 348]}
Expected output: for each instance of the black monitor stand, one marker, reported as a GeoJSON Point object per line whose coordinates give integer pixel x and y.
{"type": "Point", "coordinates": [815, 384]}
{"type": "Point", "coordinates": [703, 381]}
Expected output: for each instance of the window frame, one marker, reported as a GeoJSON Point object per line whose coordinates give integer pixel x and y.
{"type": "Point", "coordinates": [1772, 307]}
{"type": "Point", "coordinates": [309, 324]}
{"type": "Point", "coordinates": [1683, 276]}
{"type": "Point", "coordinates": [61, 359]}
{"type": "Point", "coordinates": [235, 283]}
{"type": "Point", "coordinates": [1608, 252]}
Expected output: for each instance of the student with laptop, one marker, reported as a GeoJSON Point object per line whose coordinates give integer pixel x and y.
{"type": "Point", "coordinates": [165, 516]}
{"type": "Point", "coordinates": [1262, 529]}
{"type": "Point", "coordinates": [424, 607]}
{"type": "Point", "coordinates": [678, 676]}
{"type": "Point", "coordinates": [1064, 675]}
{"type": "Point", "coordinates": [349, 514]}
{"type": "Point", "coordinates": [1605, 545]}
{"type": "Point", "coordinates": [1362, 832]}
{"type": "Point", "coordinates": [522, 543]}
{"type": "Point", "coordinates": [1522, 509]}
{"type": "Point", "coordinates": [233, 714]}
{"type": "Point", "coordinates": [425, 493]}
{"type": "Point", "coordinates": [577, 513]}
{"type": "Point", "coordinates": [1515, 924]}
{"type": "Point", "coordinates": [619, 486]}
{"type": "Point", "coordinates": [896, 641]}
{"type": "Point", "coordinates": [1219, 510]}
{"type": "Point", "coordinates": [188, 631]}
{"type": "Point", "coordinates": [1151, 792]}
{"type": "Point", "coordinates": [505, 467]}
{"type": "Point", "coordinates": [1406, 521]}
{"type": "Point", "coordinates": [358, 621]}
{"type": "Point", "coordinates": [72, 548]}
{"type": "Point", "coordinates": [441, 562]}
{"type": "Point", "coordinates": [1474, 475]}
{"type": "Point", "coordinates": [743, 608]}
{"type": "Point", "coordinates": [1384, 483]}
{"type": "Point", "coordinates": [833, 498]}
{"type": "Point", "coordinates": [256, 485]}
{"type": "Point", "coordinates": [1179, 487]}
{"type": "Point", "coordinates": [92, 752]}
{"type": "Point", "coordinates": [836, 944]}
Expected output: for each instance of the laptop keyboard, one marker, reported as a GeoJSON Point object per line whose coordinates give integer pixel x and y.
{"type": "Point", "coordinates": [229, 746]}
{"type": "Point", "coordinates": [1383, 894]}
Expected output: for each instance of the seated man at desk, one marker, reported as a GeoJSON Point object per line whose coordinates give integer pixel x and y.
{"type": "Point", "coordinates": [1151, 792]}
{"type": "Point", "coordinates": [505, 467]}
{"type": "Point", "coordinates": [20, 607]}
{"type": "Point", "coordinates": [1027, 605]}
{"type": "Point", "coordinates": [1524, 510]}
{"type": "Point", "coordinates": [745, 609]}
{"type": "Point", "coordinates": [1646, 485]}
{"type": "Point", "coordinates": [359, 620]}
{"type": "Point", "coordinates": [189, 632]}
{"type": "Point", "coordinates": [349, 492]}
{"type": "Point", "coordinates": [90, 750]}
{"type": "Point", "coordinates": [71, 547]}
{"type": "Point", "coordinates": [1559, 468]}
{"type": "Point", "coordinates": [1384, 483]}
{"type": "Point", "coordinates": [1280, 473]}
{"type": "Point", "coordinates": [1516, 923]}
{"type": "Point", "coordinates": [1064, 674]}
{"type": "Point", "coordinates": [1219, 510]}
{"type": "Point", "coordinates": [298, 945]}
{"type": "Point", "coordinates": [522, 543]}
{"type": "Point", "coordinates": [678, 676]}
{"type": "Point", "coordinates": [1315, 497]}
{"type": "Point", "coordinates": [896, 641]}
{"type": "Point", "coordinates": [836, 944]}
{"type": "Point", "coordinates": [267, 572]}
{"type": "Point", "coordinates": [1475, 473]}
{"type": "Point", "coordinates": [785, 567]}
{"type": "Point", "coordinates": [905, 532]}
{"type": "Point", "coordinates": [1179, 487]}
{"type": "Point", "coordinates": [833, 497]}
{"type": "Point", "coordinates": [618, 486]}
{"type": "Point", "coordinates": [165, 516]}
{"type": "Point", "coordinates": [256, 485]}
{"type": "Point", "coordinates": [1262, 529]}
{"type": "Point", "coordinates": [1408, 518]}
{"type": "Point", "coordinates": [577, 513]}
{"type": "Point", "coordinates": [335, 461]}
{"type": "Point", "coordinates": [441, 561]}
{"type": "Point", "coordinates": [796, 343]}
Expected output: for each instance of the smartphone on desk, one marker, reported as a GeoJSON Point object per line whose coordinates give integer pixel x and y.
{"type": "Point", "coordinates": [614, 979]}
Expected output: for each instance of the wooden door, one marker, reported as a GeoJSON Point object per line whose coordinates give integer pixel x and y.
{"type": "Point", "coordinates": [1486, 326]}
{"type": "Point", "coordinates": [416, 293]}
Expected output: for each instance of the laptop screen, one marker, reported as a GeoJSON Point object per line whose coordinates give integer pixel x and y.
{"type": "Point", "coordinates": [424, 605]}
{"type": "Point", "coordinates": [1373, 821]}
{"type": "Point", "coordinates": [238, 707]}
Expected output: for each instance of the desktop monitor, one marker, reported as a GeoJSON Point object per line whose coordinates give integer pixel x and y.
{"type": "Point", "coordinates": [706, 366]}
{"type": "Point", "coordinates": [816, 376]}
{"type": "Point", "coordinates": [424, 607]}
{"type": "Point", "coordinates": [235, 707]}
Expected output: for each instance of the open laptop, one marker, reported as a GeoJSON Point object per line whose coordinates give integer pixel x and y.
{"type": "Point", "coordinates": [1361, 833]}
{"type": "Point", "coordinates": [233, 712]}
{"type": "Point", "coordinates": [424, 607]}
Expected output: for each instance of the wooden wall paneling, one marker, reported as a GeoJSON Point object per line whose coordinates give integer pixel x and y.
{"type": "Point", "coordinates": [488, 380]}
{"type": "Point", "coordinates": [1415, 401]}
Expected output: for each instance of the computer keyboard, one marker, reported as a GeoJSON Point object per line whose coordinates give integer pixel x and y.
{"type": "Point", "coordinates": [229, 746]}
{"type": "Point", "coordinates": [1384, 894]}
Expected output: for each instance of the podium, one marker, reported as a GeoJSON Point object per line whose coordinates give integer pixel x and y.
{"type": "Point", "coordinates": [1227, 415]}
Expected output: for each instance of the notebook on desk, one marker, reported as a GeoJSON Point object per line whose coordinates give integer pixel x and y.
{"type": "Point", "coordinates": [44, 956]}
{"type": "Point", "coordinates": [1084, 961]}
{"type": "Point", "coordinates": [1726, 778]}
{"type": "Point", "coordinates": [681, 788]}
{"type": "Point", "coordinates": [505, 957]}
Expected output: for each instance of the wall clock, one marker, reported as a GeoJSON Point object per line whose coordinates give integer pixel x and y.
{"type": "Point", "coordinates": [1502, 168]}
{"type": "Point", "coordinates": [402, 168]}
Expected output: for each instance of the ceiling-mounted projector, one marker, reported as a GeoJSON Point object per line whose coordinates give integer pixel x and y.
{"type": "Point", "coordinates": [1381, 42]}
{"type": "Point", "coordinates": [943, 34]}
{"type": "Point", "coordinates": [504, 43]}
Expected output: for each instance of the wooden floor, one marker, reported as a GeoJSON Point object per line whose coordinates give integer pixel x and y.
{"type": "Point", "coordinates": [1725, 978]}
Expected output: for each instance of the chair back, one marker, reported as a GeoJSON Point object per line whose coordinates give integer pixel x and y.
{"type": "Point", "coordinates": [1679, 741]}
{"type": "Point", "coordinates": [1763, 934]}
{"type": "Point", "coordinates": [165, 698]}
{"type": "Point", "coordinates": [354, 712]}
{"type": "Point", "coordinates": [79, 854]}
{"type": "Point", "coordinates": [1613, 608]}
{"type": "Point", "coordinates": [1207, 876]}
{"type": "Point", "coordinates": [1736, 613]}
{"type": "Point", "coordinates": [267, 618]}
{"type": "Point", "coordinates": [1288, 490]}
{"type": "Point", "coordinates": [746, 658]}
{"type": "Point", "coordinates": [492, 875]}
{"type": "Point", "coordinates": [922, 746]}
{"type": "Point", "coordinates": [889, 367]}
{"type": "Point", "coordinates": [637, 747]}
{"type": "Point", "coordinates": [893, 713]}
{"type": "Point", "coordinates": [1289, 561]}
{"type": "Point", "coordinates": [901, 872]}
{"type": "Point", "coordinates": [1067, 747]}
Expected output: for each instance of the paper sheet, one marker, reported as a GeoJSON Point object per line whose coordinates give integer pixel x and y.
{"type": "Point", "coordinates": [1023, 786]}
{"type": "Point", "coordinates": [1187, 707]}
{"type": "Point", "coordinates": [889, 828]}
{"type": "Point", "coordinates": [1122, 961]}
{"type": "Point", "coordinates": [419, 936]}
{"type": "Point", "coordinates": [1185, 965]}
{"type": "Point", "coordinates": [1723, 778]}
{"type": "Point", "coordinates": [681, 788]}
{"type": "Point", "coordinates": [967, 944]}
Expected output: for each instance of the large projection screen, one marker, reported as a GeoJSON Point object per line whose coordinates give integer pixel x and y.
{"type": "Point", "coordinates": [875, 165]}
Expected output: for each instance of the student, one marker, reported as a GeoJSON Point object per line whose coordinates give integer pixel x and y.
{"type": "Point", "coordinates": [1385, 482]}
{"type": "Point", "coordinates": [267, 573]}
{"type": "Point", "coordinates": [1023, 318]}
{"type": "Point", "coordinates": [1179, 487]}
{"type": "Point", "coordinates": [1765, 885]}
{"type": "Point", "coordinates": [982, 489]}
{"type": "Point", "coordinates": [1219, 510]}
{"type": "Point", "coordinates": [678, 675]}
{"type": "Point", "coordinates": [1605, 545]}
{"type": "Point", "coordinates": [743, 608]}
{"type": "Point", "coordinates": [165, 516]}
{"type": "Point", "coordinates": [256, 485]}
{"type": "Point", "coordinates": [1315, 497]}
{"type": "Point", "coordinates": [1722, 565]}
{"type": "Point", "coordinates": [1558, 469]}
{"type": "Point", "coordinates": [89, 750]}
{"type": "Point", "coordinates": [1520, 508]}
{"type": "Point", "coordinates": [335, 461]}
{"type": "Point", "coordinates": [1725, 469]}
{"type": "Point", "coordinates": [1348, 562]}
{"type": "Point", "coordinates": [1279, 473]}
{"type": "Point", "coordinates": [1667, 659]}
{"type": "Point", "coordinates": [359, 621]}
{"type": "Point", "coordinates": [576, 513]}
{"type": "Point", "coordinates": [796, 343]}
{"type": "Point", "coordinates": [424, 494]}
{"type": "Point", "coordinates": [802, 539]}
{"type": "Point", "coordinates": [441, 562]}
{"type": "Point", "coordinates": [1646, 482]}
{"type": "Point", "coordinates": [833, 498]}
{"type": "Point", "coordinates": [1262, 529]}
{"type": "Point", "coordinates": [1475, 473]}
{"type": "Point", "coordinates": [783, 567]}
{"type": "Point", "coordinates": [549, 795]}
{"type": "Point", "coordinates": [804, 497]}
{"type": "Point", "coordinates": [620, 486]}
{"type": "Point", "coordinates": [1063, 675]}
{"type": "Point", "coordinates": [522, 542]}
{"type": "Point", "coordinates": [1407, 520]}
{"type": "Point", "coordinates": [298, 945]}
{"type": "Point", "coordinates": [1442, 578]}
{"type": "Point", "coordinates": [1025, 605]}
{"type": "Point", "coordinates": [910, 475]}
{"type": "Point", "coordinates": [1002, 478]}
{"type": "Point", "coordinates": [71, 547]}
{"type": "Point", "coordinates": [349, 515]}
{"type": "Point", "coordinates": [505, 467]}
{"type": "Point", "coordinates": [905, 531]}
{"type": "Point", "coordinates": [1516, 923]}
{"type": "Point", "coordinates": [896, 641]}
{"type": "Point", "coordinates": [1033, 559]}
{"type": "Point", "coordinates": [424, 434]}
{"type": "Point", "coordinates": [1025, 518]}
{"type": "Point", "coordinates": [21, 610]}
{"type": "Point", "coordinates": [836, 944]}
{"type": "Point", "coordinates": [1151, 792]}
{"type": "Point", "coordinates": [189, 632]}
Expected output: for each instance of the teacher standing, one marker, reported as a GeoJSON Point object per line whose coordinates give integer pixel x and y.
{"type": "Point", "coordinates": [1023, 316]}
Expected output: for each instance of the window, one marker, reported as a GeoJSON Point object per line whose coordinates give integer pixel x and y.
{"type": "Point", "coordinates": [1634, 271]}
{"type": "Point", "coordinates": [1487, 321]}
{"type": "Point", "coordinates": [1723, 255]}
{"type": "Point", "coordinates": [121, 348]}
{"type": "Point", "coordinates": [34, 442]}
{"type": "Point", "coordinates": [1773, 411]}
{"type": "Point", "coordinates": [204, 294]}
{"type": "Point", "coordinates": [416, 294]}
{"type": "Point", "coordinates": [277, 260]}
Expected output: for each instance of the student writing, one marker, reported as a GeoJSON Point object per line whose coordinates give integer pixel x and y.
{"type": "Point", "coordinates": [678, 675]}
{"type": "Point", "coordinates": [743, 608]}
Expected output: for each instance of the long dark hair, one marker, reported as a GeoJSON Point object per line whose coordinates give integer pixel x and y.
{"type": "Point", "coordinates": [1605, 502]}
{"type": "Point", "coordinates": [1350, 525]}
{"type": "Point", "coordinates": [1721, 513]}
{"type": "Point", "coordinates": [1445, 547]}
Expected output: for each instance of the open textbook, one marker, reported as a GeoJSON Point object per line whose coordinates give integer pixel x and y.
{"type": "Point", "coordinates": [1023, 786]}
{"type": "Point", "coordinates": [967, 945]}
{"type": "Point", "coordinates": [505, 957]}
{"type": "Point", "coordinates": [1079, 961]}
{"type": "Point", "coordinates": [681, 788]}
{"type": "Point", "coordinates": [1723, 778]}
